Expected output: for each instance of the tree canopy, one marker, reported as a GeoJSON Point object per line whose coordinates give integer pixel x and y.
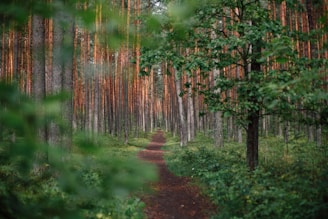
{"type": "Point", "coordinates": [262, 70]}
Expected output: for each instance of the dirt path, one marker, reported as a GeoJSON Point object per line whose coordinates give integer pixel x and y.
{"type": "Point", "coordinates": [173, 196]}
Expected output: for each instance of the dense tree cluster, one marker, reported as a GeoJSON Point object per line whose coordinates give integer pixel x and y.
{"type": "Point", "coordinates": [227, 68]}
{"type": "Point", "coordinates": [261, 65]}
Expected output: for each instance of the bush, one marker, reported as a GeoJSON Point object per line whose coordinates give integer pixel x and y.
{"type": "Point", "coordinates": [95, 181]}
{"type": "Point", "coordinates": [292, 185]}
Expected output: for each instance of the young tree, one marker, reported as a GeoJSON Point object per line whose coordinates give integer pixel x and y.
{"type": "Point", "coordinates": [242, 36]}
{"type": "Point", "coordinates": [248, 38]}
{"type": "Point", "coordinates": [239, 41]}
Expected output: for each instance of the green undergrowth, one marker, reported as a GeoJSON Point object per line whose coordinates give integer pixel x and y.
{"type": "Point", "coordinates": [98, 180]}
{"type": "Point", "coordinates": [95, 178]}
{"type": "Point", "coordinates": [291, 181]}
{"type": "Point", "coordinates": [126, 175]}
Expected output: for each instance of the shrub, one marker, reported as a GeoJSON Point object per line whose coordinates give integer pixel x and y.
{"type": "Point", "coordinates": [285, 185]}
{"type": "Point", "coordinates": [95, 181]}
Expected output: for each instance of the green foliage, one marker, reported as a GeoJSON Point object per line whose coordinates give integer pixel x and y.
{"type": "Point", "coordinates": [95, 181]}
{"type": "Point", "coordinates": [295, 88]}
{"type": "Point", "coordinates": [14, 13]}
{"type": "Point", "coordinates": [290, 183]}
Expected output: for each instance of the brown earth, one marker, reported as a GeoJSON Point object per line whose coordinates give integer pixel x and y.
{"type": "Point", "coordinates": [173, 196]}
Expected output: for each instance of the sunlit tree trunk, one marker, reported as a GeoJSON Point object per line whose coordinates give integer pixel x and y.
{"type": "Point", "coordinates": [182, 114]}
{"type": "Point", "coordinates": [218, 120]}
{"type": "Point", "coordinates": [151, 100]}
{"type": "Point", "coordinates": [137, 91]}
{"type": "Point", "coordinates": [166, 105]}
{"type": "Point", "coordinates": [145, 116]}
{"type": "Point", "coordinates": [127, 74]}
{"type": "Point", "coordinates": [11, 56]}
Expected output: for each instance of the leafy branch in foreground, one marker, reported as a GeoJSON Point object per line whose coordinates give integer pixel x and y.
{"type": "Point", "coordinates": [90, 181]}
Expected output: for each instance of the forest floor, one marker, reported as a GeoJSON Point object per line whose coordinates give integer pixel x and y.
{"type": "Point", "coordinates": [172, 196]}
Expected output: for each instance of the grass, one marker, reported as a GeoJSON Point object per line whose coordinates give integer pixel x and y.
{"type": "Point", "coordinates": [97, 180]}
{"type": "Point", "coordinates": [126, 174]}
{"type": "Point", "coordinates": [287, 184]}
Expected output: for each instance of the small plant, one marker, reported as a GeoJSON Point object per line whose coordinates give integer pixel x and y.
{"type": "Point", "coordinates": [284, 186]}
{"type": "Point", "coordinates": [95, 181]}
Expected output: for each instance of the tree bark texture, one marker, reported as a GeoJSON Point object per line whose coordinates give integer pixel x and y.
{"type": "Point", "coordinates": [182, 114]}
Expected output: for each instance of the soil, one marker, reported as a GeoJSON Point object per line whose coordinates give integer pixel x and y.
{"type": "Point", "coordinates": [173, 197]}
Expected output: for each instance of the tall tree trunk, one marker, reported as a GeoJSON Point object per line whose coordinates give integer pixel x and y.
{"type": "Point", "coordinates": [182, 114]}
{"type": "Point", "coordinates": [67, 83]}
{"type": "Point", "coordinates": [191, 115]}
{"type": "Point", "coordinates": [38, 81]}
{"type": "Point", "coordinates": [313, 53]}
{"type": "Point", "coordinates": [218, 120]}
{"type": "Point", "coordinates": [76, 88]}
{"type": "Point", "coordinates": [61, 80]}
{"type": "Point", "coordinates": [96, 74]}
{"type": "Point", "coordinates": [218, 126]}
{"type": "Point", "coordinates": [38, 63]}
{"type": "Point", "coordinates": [3, 52]}
{"type": "Point", "coordinates": [252, 139]}
{"type": "Point", "coordinates": [253, 116]}
{"type": "Point", "coordinates": [55, 80]}
{"type": "Point", "coordinates": [151, 99]}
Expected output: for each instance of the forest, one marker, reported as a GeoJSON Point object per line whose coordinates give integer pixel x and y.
{"type": "Point", "coordinates": [238, 88]}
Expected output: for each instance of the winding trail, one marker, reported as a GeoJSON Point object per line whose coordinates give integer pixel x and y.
{"type": "Point", "coordinates": [173, 197]}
